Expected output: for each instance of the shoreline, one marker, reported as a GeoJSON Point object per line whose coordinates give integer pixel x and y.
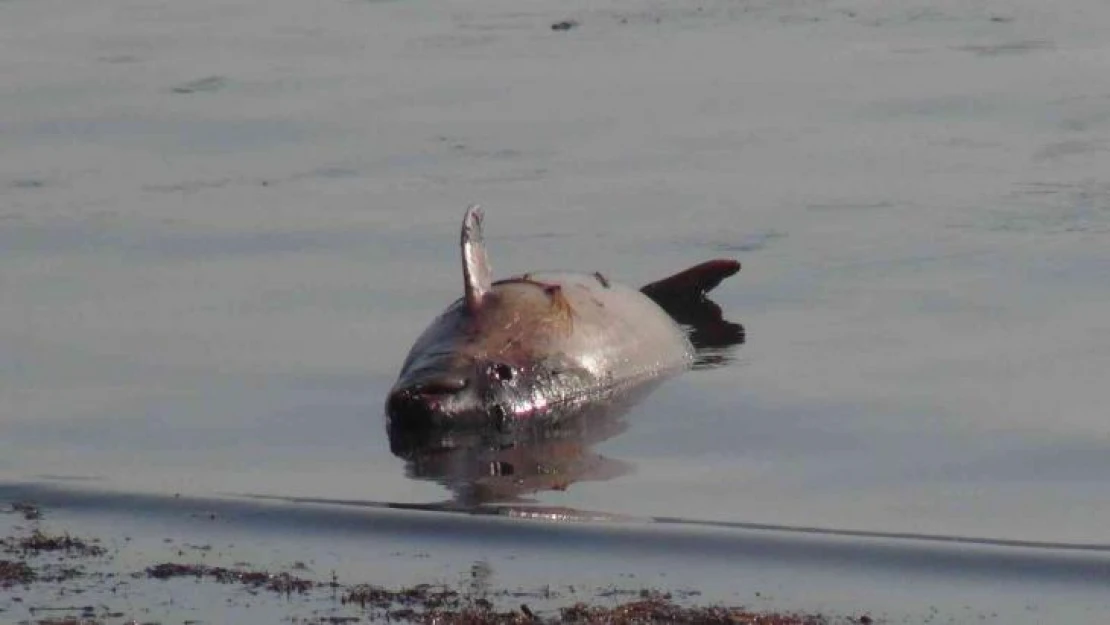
{"type": "Point", "coordinates": [54, 577]}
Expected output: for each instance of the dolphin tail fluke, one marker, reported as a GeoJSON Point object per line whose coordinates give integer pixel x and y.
{"type": "Point", "coordinates": [683, 297]}
{"type": "Point", "coordinates": [477, 276]}
{"type": "Point", "coordinates": [692, 284]}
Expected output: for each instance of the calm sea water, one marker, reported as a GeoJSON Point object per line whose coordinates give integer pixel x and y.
{"type": "Point", "coordinates": [223, 224]}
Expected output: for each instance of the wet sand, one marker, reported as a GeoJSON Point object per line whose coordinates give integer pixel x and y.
{"type": "Point", "coordinates": [49, 578]}
{"type": "Point", "coordinates": [169, 558]}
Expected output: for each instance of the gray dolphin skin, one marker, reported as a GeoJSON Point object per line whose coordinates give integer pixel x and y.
{"type": "Point", "coordinates": [541, 343]}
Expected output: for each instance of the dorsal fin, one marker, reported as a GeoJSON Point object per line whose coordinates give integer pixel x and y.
{"type": "Point", "coordinates": [691, 284]}
{"type": "Point", "coordinates": [476, 270]}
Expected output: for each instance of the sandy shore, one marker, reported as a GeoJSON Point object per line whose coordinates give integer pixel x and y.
{"type": "Point", "coordinates": [52, 574]}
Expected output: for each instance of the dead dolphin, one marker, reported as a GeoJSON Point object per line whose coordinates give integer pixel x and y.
{"type": "Point", "coordinates": [542, 343]}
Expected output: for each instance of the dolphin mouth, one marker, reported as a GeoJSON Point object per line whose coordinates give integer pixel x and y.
{"type": "Point", "coordinates": [433, 401]}
{"type": "Point", "coordinates": [442, 384]}
{"type": "Point", "coordinates": [413, 409]}
{"type": "Point", "coordinates": [427, 393]}
{"type": "Point", "coordinates": [418, 420]}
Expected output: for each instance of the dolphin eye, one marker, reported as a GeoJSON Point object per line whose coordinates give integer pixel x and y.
{"type": "Point", "coordinates": [502, 372]}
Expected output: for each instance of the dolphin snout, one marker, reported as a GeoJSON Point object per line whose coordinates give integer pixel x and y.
{"type": "Point", "coordinates": [416, 405]}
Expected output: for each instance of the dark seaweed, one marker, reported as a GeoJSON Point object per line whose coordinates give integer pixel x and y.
{"type": "Point", "coordinates": [282, 583]}
{"type": "Point", "coordinates": [14, 573]}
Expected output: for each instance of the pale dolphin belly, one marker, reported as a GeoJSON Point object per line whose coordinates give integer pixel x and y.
{"type": "Point", "coordinates": [618, 333]}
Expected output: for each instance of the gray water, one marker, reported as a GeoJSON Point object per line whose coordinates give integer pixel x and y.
{"type": "Point", "coordinates": [223, 223]}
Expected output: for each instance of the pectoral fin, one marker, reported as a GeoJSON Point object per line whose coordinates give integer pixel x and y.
{"type": "Point", "coordinates": [477, 276]}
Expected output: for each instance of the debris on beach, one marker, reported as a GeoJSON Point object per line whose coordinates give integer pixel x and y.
{"type": "Point", "coordinates": [15, 572]}
{"type": "Point", "coordinates": [61, 565]}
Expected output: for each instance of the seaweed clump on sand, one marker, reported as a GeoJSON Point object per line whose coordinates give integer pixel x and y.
{"type": "Point", "coordinates": [431, 604]}
{"type": "Point", "coordinates": [19, 572]}
{"type": "Point", "coordinates": [40, 541]}
{"type": "Point", "coordinates": [25, 548]}
{"type": "Point", "coordinates": [424, 595]}
{"type": "Point", "coordinates": [282, 583]}
{"type": "Point", "coordinates": [13, 573]}
{"type": "Point", "coordinates": [425, 603]}
{"type": "Point", "coordinates": [658, 608]}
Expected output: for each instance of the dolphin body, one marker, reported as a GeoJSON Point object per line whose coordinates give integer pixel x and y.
{"type": "Point", "coordinates": [538, 345]}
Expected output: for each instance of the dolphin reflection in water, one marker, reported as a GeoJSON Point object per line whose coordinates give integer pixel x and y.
{"type": "Point", "coordinates": [508, 390]}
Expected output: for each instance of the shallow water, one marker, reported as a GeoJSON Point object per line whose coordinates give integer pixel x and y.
{"type": "Point", "coordinates": [222, 225]}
